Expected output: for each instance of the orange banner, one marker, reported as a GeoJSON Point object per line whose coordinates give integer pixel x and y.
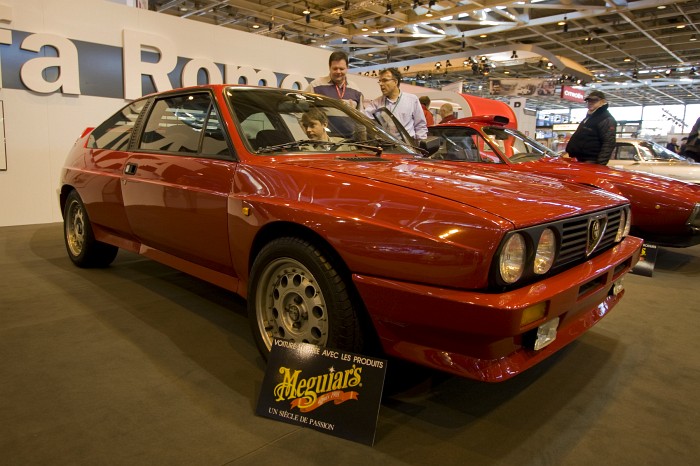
{"type": "Point", "coordinates": [337, 397]}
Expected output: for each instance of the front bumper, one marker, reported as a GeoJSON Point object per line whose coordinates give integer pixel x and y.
{"type": "Point", "coordinates": [479, 335]}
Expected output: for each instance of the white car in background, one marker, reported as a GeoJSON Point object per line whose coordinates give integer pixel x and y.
{"type": "Point", "coordinates": [650, 157]}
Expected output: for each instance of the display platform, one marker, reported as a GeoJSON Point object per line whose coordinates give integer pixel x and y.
{"type": "Point", "coordinates": [140, 364]}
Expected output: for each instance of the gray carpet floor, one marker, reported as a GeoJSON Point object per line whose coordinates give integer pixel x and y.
{"type": "Point", "coordinates": [140, 364]}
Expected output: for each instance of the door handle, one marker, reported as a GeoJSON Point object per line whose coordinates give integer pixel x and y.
{"type": "Point", "coordinates": [130, 168]}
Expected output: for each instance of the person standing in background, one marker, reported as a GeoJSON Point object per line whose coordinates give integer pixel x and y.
{"type": "Point", "coordinates": [405, 107]}
{"type": "Point", "coordinates": [336, 84]}
{"type": "Point", "coordinates": [594, 139]}
{"type": "Point", "coordinates": [446, 112]}
{"type": "Point", "coordinates": [425, 103]}
{"type": "Point", "coordinates": [673, 145]}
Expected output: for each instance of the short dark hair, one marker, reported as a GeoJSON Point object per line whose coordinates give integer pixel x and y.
{"type": "Point", "coordinates": [314, 114]}
{"type": "Point", "coordinates": [337, 56]}
{"type": "Point", "coordinates": [425, 100]}
{"type": "Point", "coordinates": [395, 73]}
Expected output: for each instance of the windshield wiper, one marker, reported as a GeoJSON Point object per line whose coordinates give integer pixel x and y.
{"type": "Point", "coordinates": [289, 145]}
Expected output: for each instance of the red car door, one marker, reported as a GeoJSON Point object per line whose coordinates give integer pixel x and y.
{"type": "Point", "coordinates": [176, 184]}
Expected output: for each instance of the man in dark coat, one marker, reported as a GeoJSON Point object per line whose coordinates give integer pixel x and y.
{"type": "Point", "coordinates": [594, 139]}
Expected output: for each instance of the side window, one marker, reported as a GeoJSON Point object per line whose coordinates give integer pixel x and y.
{"type": "Point", "coordinates": [214, 142]}
{"type": "Point", "coordinates": [625, 152]}
{"type": "Point", "coordinates": [114, 134]}
{"type": "Point", "coordinates": [176, 123]}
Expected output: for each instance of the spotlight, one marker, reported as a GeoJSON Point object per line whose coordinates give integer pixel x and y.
{"type": "Point", "coordinates": [692, 71]}
{"type": "Point", "coordinates": [514, 55]}
{"type": "Point", "coordinates": [564, 25]}
{"type": "Point", "coordinates": [308, 18]}
{"type": "Point", "coordinates": [693, 38]}
{"type": "Point", "coordinates": [347, 5]}
{"type": "Point", "coordinates": [447, 63]}
{"type": "Point", "coordinates": [389, 9]}
{"type": "Point", "coordinates": [429, 14]}
{"type": "Point", "coordinates": [341, 20]}
{"type": "Point", "coordinates": [438, 65]}
{"type": "Point", "coordinates": [431, 3]}
{"type": "Point", "coordinates": [306, 9]}
{"type": "Point", "coordinates": [635, 74]}
{"type": "Point", "coordinates": [668, 72]}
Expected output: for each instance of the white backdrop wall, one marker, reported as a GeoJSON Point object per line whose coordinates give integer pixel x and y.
{"type": "Point", "coordinates": [44, 113]}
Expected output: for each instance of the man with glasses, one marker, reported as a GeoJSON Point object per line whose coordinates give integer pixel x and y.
{"type": "Point", "coordinates": [336, 84]}
{"type": "Point", "coordinates": [594, 139]}
{"type": "Point", "coordinates": [405, 107]}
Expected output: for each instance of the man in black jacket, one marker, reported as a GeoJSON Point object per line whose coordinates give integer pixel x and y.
{"type": "Point", "coordinates": [594, 139]}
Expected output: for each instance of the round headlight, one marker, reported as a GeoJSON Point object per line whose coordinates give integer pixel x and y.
{"type": "Point", "coordinates": [624, 228]}
{"type": "Point", "coordinates": [512, 259]}
{"type": "Point", "coordinates": [546, 250]}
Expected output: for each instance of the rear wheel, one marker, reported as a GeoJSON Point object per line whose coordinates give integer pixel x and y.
{"type": "Point", "coordinates": [297, 294]}
{"type": "Point", "coordinates": [81, 245]}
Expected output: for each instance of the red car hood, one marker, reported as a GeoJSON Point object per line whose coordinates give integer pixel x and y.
{"type": "Point", "coordinates": [521, 198]}
{"type": "Point", "coordinates": [593, 174]}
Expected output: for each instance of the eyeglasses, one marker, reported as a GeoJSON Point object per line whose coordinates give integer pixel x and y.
{"type": "Point", "coordinates": [386, 80]}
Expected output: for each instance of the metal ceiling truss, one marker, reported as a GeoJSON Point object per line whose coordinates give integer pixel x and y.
{"type": "Point", "coordinates": [641, 52]}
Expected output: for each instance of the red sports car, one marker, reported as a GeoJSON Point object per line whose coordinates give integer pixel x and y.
{"type": "Point", "coordinates": [664, 211]}
{"type": "Point", "coordinates": [290, 200]}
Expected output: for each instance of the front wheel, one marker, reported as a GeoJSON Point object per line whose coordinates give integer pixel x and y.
{"type": "Point", "coordinates": [296, 294]}
{"type": "Point", "coordinates": [83, 249]}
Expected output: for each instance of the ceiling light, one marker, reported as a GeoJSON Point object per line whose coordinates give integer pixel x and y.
{"type": "Point", "coordinates": [693, 38]}
{"type": "Point", "coordinates": [564, 25]}
{"type": "Point", "coordinates": [341, 20]}
{"type": "Point", "coordinates": [627, 59]}
{"type": "Point", "coordinates": [429, 14]}
{"type": "Point", "coordinates": [438, 65]}
{"type": "Point", "coordinates": [514, 55]}
{"type": "Point", "coordinates": [306, 8]}
{"type": "Point", "coordinates": [256, 26]}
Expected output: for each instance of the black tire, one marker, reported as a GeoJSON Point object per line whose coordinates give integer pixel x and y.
{"type": "Point", "coordinates": [295, 293]}
{"type": "Point", "coordinates": [81, 245]}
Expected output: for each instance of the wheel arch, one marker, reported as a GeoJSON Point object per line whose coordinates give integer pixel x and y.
{"type": "Point", "coordinates": [63, 196]}
{"type": "Point", "coordinates": [281, 229]}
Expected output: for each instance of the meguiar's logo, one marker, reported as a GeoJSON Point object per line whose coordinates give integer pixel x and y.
{"type": "Point", "coordinates": [304, 392]}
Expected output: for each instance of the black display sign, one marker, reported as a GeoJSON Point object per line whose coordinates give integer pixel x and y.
{"type": "Point", "coordinates": [325, 389]}
{"type": "Point", "coordinates": [647, 260]}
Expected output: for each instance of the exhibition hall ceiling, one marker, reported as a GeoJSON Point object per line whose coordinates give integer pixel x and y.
{"type": "Point", "coordinates": [643, 52]}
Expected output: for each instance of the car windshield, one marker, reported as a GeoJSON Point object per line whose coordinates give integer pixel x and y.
{"type": "Point", "coordinates": [274, 121]}
{"type": "Point", "coordinates": [653, 151]}
{"type": "Point", "coordinates": [469, 145]}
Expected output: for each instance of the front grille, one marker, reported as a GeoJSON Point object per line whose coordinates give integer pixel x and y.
{"type": "Point", "coordinates": [574, 236]}
{"type": "Point", "coordinates": [577, 243]}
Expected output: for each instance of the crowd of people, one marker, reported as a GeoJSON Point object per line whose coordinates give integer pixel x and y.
{"type": "Point", "coordinates": [592, 142]}
{"type": "Point", "coordinates": [413, 113]}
